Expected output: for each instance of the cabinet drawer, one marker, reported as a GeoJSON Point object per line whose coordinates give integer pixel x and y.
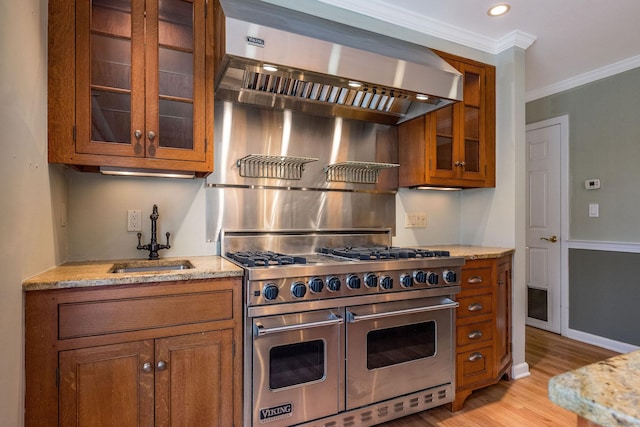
{"type": "Point", "coordinates": [88, 318]}
{"type": "Point", "coordinates": [474, 366]}
{"type": "Point", "coordinates": [475, 305]}
{"type": "Point", "coordinates": [477, 275]}
{"type": "Point", "coordinates": [474, 333]}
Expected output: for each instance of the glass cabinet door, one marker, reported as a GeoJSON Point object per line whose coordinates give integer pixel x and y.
{"type": "Point", "coordinates": [176, 79]}
{"type": "Point", "coordinates": [110, 85]}
{"type": "Point", "coordinates": [473, 117]}
{"type": "Point", "coordinates": [445, 139]}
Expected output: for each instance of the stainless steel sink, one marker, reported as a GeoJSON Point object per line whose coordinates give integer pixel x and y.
{"type": "Point", "coordinates": [150, 266]}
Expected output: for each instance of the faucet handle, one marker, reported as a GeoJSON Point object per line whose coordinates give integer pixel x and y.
{"type": "Point", "coordinates": [168, 245]}
{"type": "Point", "coordinates": [139, 243]}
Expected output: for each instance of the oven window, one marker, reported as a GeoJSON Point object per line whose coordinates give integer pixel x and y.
{"type": "Point", "coordinates": [386, 347]}
{"type": "Point", "coordinates": [295, 364]}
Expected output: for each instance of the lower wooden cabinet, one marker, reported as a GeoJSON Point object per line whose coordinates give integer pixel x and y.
{"type": "Point", "coordinates": [483, 326]}
{"type": "Point", "coordinates": [161, 368]}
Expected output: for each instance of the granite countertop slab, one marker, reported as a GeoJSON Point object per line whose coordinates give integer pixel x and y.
{"type": "Point", "coordinates": [97, 273]}
{"type": "Point", "coordinates": [473, 252]}
{"type": "Point", "coordinates": [606, 393]}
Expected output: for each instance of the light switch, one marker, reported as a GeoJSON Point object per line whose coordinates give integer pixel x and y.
{"type": "Point", "coordinates": [594, 210]}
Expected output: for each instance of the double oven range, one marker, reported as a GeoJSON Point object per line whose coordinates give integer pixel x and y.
{"type": "Point", "coordinates": [341, 328]}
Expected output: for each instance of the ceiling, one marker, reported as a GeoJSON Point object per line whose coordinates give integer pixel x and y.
{"type": "Point", "coordinates": [568, 42]}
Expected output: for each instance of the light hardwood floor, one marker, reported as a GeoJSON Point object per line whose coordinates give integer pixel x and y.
{"type": "Point", "coordinates": [520, 403]}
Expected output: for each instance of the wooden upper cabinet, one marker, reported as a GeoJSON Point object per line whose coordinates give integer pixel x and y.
{"type": "Point", "coordinates": [455, 145]}
{"type": "Point", "coordinates": [132, 87]}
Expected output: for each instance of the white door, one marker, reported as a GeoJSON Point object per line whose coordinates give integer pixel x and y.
{"type": "Point", "coordinates": [544, 220]}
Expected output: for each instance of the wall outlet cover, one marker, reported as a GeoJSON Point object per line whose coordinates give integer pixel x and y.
{"type": "Point", "coordinates": [134, 220]}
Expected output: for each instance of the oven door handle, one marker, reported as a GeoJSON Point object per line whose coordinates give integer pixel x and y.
{"type": "Point", "coordinates": [261, 330]}
{"type": "Point", "coordinates": [352, 317]}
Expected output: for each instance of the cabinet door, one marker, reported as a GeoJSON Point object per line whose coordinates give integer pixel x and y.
{"type": "Point", "coordinates": [141, 78]}
{"type": "Point", "coordinates": [107, 386]}
{"type": "Point", "coordinates": [503, 315]}
{"type": "Point", "coordinates": [471, 140]}
{"type": "Point", "coordinates": [175, 77]}
{"type": "Point", "coordinates": [194, 387]}
{"type": "Point", "coordinates": [110, 87]}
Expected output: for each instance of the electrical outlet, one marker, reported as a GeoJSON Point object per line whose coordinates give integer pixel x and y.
{"type": "Point", "coordinates": [415, 220]}
{"type": "Point", "coordinates": [134, 220]}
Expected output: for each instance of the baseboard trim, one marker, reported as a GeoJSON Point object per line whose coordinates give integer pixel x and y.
{"type": "Point", "coordinates": [521, 370]}
{"type": "Point", "coordinates": [599, 341]}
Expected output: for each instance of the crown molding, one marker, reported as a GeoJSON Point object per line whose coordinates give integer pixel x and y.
{"type": "Point", "coordinates": [431, 27]}
{"type": "Point", "coordinates": [582, 79]}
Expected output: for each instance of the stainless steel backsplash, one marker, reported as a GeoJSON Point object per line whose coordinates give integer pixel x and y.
{"type": "Point", "coordinates": [311, 202]}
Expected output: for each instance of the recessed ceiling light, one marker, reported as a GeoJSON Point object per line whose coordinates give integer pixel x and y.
{"type": "Point", "coordinates": [354, 83]}
{"type": "Point", "coordinates": [499, 9]}
{"type": "Point", "coordinates": [269, 67]}
{"type": "Point", "coordinates": [422, 97]}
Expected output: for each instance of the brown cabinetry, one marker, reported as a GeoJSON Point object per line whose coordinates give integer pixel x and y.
{"type": "Point", "coordinates": [137, 355]}
{"type": "Point", "coordinates": [455, 145]}
{"type": "Point", "coordinates": [483, 329]}
{"type": "Point", "coordinates": [130, 85]}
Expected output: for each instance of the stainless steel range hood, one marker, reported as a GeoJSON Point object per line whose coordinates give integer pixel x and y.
{"type": "Point", "coordinates": [316, 65]}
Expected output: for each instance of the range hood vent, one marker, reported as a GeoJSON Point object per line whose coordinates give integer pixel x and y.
{"type": "Point", "coordinates": [275, 57]}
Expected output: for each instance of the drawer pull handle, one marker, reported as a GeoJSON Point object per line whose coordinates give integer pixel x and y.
{"type": "Point", "coordinates": [475, 357]}
{"type": "Point", "coordinates": [475, 307]}
{"type": "Point", "coordinates": [475, 334]}
{"type": "Point", "coordinates": [474, 280]}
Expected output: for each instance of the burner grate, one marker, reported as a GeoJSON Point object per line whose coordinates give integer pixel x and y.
{"type": "Point", "coordinates": [265, 258]}
{"type": "Point", "coordinates": [382, 252]}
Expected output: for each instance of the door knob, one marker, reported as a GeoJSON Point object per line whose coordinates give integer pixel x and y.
{"type": "Point", "coordinates": [551, 239]}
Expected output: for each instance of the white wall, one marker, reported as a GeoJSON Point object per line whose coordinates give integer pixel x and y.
{"type": "Point", "coordinates": [98, 216]}
{"type": "Point", "coordinates": [443, 217]}
{"type": "Point", "coordinates": [31, 240]}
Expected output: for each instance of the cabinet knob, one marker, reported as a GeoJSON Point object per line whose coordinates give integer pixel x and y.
{"type": "Point", "coordinates": [147, 367]}
{"type": "Point", "coordinates": [475, 307]}
{"type": "Point", "coordinates": [151, 135]}
{"type": "Point", "coordinates": [475, 357]}
{"type": "Point", "coordinates": [162, 365]}
{"type": "Point", "coordinates": [137, 134]}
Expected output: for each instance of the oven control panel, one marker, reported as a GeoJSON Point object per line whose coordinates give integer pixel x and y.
{"type": "Point", "coordinates": [324, 286]}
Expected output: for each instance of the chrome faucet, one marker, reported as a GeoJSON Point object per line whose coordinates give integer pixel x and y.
{"type": "Point", "coordinates": [153, 247]}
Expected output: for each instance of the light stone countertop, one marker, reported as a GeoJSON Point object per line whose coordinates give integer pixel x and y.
{"type": "Point", "coordinates": [606, 393]}
{"type": "Point", "coordinates": [472, 252]}
{"type": "Point", "coordinates": [96, 273]}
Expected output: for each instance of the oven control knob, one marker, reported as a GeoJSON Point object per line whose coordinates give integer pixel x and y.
{"type": "Point", "coordinates": [353, 281]}
{"type": "Point", "coordinates": [432, 278]}
{"type": "Point", "coordinates": [333, 284]}
{"type": "Point", "coordinates": [298, 290]}
{"type": "Point", "coordinates": [270, 292]}
{"type": "Point", "coordinates": [420, 276]}
{"type": "Point", "coordinates": [449, 276]}
{"type": "Point", "coordinates": [406, 281]}
{"type": "Point", "coordinates": [386, 282]}
{"type": "Point", "coordinates": [370, 280]}
{"type": "Point", "coordinates": [316, 285]}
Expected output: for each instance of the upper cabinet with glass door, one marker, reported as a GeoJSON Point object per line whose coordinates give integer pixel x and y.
{"type": "Point", "coordinates": [455, 145]}
{"type": "Point", "coordinates": [130, 85]}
